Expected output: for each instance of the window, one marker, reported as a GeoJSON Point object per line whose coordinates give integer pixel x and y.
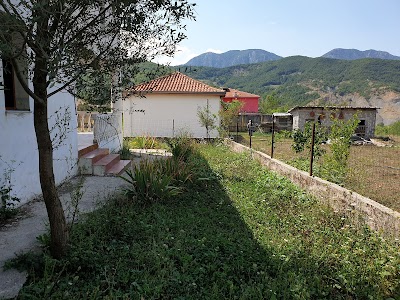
{"type": "Point", "coordinates": [8, 84]}
{"type": "Point", "coordinates": [15, 97]}
{"type": "Point", "coordinates": [361, 128]}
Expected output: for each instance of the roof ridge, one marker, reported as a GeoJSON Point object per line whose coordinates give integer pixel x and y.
{"type": "Point", "coordinates": [175, 82]}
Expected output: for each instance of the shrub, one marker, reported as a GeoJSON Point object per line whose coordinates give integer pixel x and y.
{"type": "Point", "coordinates": [335, 167]}
{"type": "Point", "coordinates": [182, 146]}
{"type": "Point", "coordinates": [124, 152]}
{"type": "Point", "coordinates": [142, 142]}
{"type": "Point", "coordinates": [393, 129]}
{"type": "Point", "coordinates": [148, 182]}
{"type": "Point", "coordinates": [302, 139]}
{"type": "Point", "coordinates": [7, 208]}
{"type": "Point", "coordinates": [180, 171]}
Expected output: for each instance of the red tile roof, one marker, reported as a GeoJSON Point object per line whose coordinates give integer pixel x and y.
{"type": "Point", "coordinates": [232, 93]}
{"type": "Point", "coordinates": [176, 83]}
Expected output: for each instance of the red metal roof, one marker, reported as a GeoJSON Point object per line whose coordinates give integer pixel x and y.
{"type": "Point", "coordinates": [232, 93]}
{"type": "Point", "coordinates": [176, 83]}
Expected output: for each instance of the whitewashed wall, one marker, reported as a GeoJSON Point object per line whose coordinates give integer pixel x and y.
{"type": "Point", "coordinates": [167, 115]}
{"type": "Point", "coordinates": [18, 146]}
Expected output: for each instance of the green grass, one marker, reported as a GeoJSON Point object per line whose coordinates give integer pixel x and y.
{"type": "Point", "coordinates": [238, 232]}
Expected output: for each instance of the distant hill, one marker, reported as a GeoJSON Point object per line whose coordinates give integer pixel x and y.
{"type": "Point", "coordinates": [232, 58]}
{"type": "Point", "coordinates": [352, 54]}
{"type": "Point", "coordinates": [300, 80]}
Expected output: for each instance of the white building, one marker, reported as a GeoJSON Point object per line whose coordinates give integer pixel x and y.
{"type": "Point", "coordinates": [19, 165]}
{"type": "Point", "coordinates": [168, 106]}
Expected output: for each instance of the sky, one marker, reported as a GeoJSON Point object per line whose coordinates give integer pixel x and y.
{"type": "Point", "coordinates": [290, 27]}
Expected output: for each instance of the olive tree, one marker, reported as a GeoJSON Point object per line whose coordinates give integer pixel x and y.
{"type": "Point", "coordinates": [59, 40]}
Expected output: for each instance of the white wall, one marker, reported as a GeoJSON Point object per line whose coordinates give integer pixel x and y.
{"type": "Point", "coordinates": [18, 146]}
{"type": "Point", "coordinates": [167, 115]}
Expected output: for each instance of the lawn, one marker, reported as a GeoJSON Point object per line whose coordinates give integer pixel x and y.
{"type": "Point", "coordinates": [238, 231]}
{"type": "Point", "coordinates": [374, 171]}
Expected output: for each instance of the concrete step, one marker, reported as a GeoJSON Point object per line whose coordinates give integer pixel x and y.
{"type": "Point", "coordinates": [119, 168]}
{"type": "Point", "coordinates": [101, 166]}
{"type": "Point", "coordinates": [87, 149]}
{"type": "Point", "coordinates": [87, 160]}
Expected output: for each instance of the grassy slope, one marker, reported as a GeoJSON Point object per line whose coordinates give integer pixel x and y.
{"type": "Point", "coordinates": [244, 233]}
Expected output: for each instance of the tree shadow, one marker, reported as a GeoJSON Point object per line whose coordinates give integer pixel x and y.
{"type": "Point", "coordinates": [197, 245]}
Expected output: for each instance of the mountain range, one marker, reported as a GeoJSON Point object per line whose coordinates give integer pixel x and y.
{"type": "Point", "coordinates": [232, 58]}
{"type": "Point", "coordinates": [251, 56]}
{"type": "Point", "coordinates": [300, 80]}
{"type": "Point", "coordinates": [352, 54]}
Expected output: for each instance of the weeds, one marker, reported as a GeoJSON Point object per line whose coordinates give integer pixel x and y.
{"type": "Point", "coordinates": [182, 146]}
{"type": "Point", "coordinates": [7, 208]}
{"type": "Point", "coordinates": [124, 152]}
{"type": "Point", "coordinates": [245, 233]}
{"type": "Point", "coordinates": [8, 201]}
{"type": "Point", "coordinates": [142, 142]}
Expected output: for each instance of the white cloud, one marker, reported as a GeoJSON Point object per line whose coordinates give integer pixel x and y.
{"type": "Point", "coordinates": [182, 56]}
{"type": "Point", "coordinates": [214, 51]}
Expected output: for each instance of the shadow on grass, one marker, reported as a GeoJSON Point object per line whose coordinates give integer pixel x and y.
{"type": "Point", "coordinates": [195, 246]}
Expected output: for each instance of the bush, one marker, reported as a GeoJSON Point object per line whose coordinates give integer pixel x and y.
{"type": "Point", "coordinates": [7, 208]}
{"type": "Point", "coordinates": [124, 152]}
{"type": "Point", "coordinates": [148, 182]}
{"type": "Point", "coordinates": [182, 146]}
{"type": "Point", "coordinates": [142, 142]}
{"type": "Point", "coordinates": [393, 129]}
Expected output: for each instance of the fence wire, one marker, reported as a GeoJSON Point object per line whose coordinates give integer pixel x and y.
{"type": "Point", "coordinates": [373, 170]}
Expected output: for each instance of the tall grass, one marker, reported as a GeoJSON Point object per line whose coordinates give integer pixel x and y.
{"type": "Point", "coordinates": [393, 129]}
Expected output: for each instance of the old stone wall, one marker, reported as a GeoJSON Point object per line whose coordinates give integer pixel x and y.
{"type": "Point", "coordinates": [375, 215]}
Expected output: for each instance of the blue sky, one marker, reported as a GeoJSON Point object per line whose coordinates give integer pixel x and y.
{"type": "Point", "coordinates": [291, 27]}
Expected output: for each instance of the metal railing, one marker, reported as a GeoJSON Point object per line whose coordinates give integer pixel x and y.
{"type": "Point", "coordinates": [106, 126]}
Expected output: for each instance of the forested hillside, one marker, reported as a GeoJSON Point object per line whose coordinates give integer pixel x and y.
{"type": "Point", "coordinates": [298, 80]}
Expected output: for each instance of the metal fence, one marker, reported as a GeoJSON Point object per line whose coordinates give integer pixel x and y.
{"type": "Point", "coordinates": [372, 169]}
{"type": "Point", "coordinates": [106, 126]}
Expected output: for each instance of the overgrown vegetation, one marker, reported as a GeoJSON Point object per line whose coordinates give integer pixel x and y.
{"type": "Point", "coordinates": [162, 178]}
{"type": "Point", "coordinates": [332, 164]}
{"type": "Point", "coordinates": [148, 182]}
{"type": "Point", "coordinates": [382, 162]}
{"type": "Point", "coordinates": [7, 205]}
{"type": "Point", "coordinates": [206, 118]}
{"type": "Point", "coordinates": [143, 142]}
{"type": "Point", "coordinates": [240, 233]}
{"type": "Point", "coordinates": [228, 113]}
{"type": "Point", "coordinates": [182, 146]}
{"type": "Point", "coordinates": [393, 129]}
{"type": "Point", "coordinates": [335, 164]}
{"type": "Point", "coordinates": [7, 200]}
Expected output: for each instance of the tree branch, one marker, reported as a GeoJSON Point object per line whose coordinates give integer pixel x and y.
{"type": "Point", "coordinates": [23, 83]}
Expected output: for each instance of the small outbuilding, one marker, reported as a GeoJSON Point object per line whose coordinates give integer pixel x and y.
{"type": "Point", "coordinates": [324, 115]}
{"type": "Point", "coordinates": [168, 106]}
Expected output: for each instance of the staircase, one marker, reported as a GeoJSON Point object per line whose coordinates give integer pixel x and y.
{"type": "Point", "coordinates": [98, 161]}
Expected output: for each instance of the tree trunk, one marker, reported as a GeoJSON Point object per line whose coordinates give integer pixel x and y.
{"type": "Point", "coordinates": [55, 212]}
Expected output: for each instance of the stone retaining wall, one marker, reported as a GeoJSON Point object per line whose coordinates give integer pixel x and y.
{"type": "Point", "coordinates": [377, 216]}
